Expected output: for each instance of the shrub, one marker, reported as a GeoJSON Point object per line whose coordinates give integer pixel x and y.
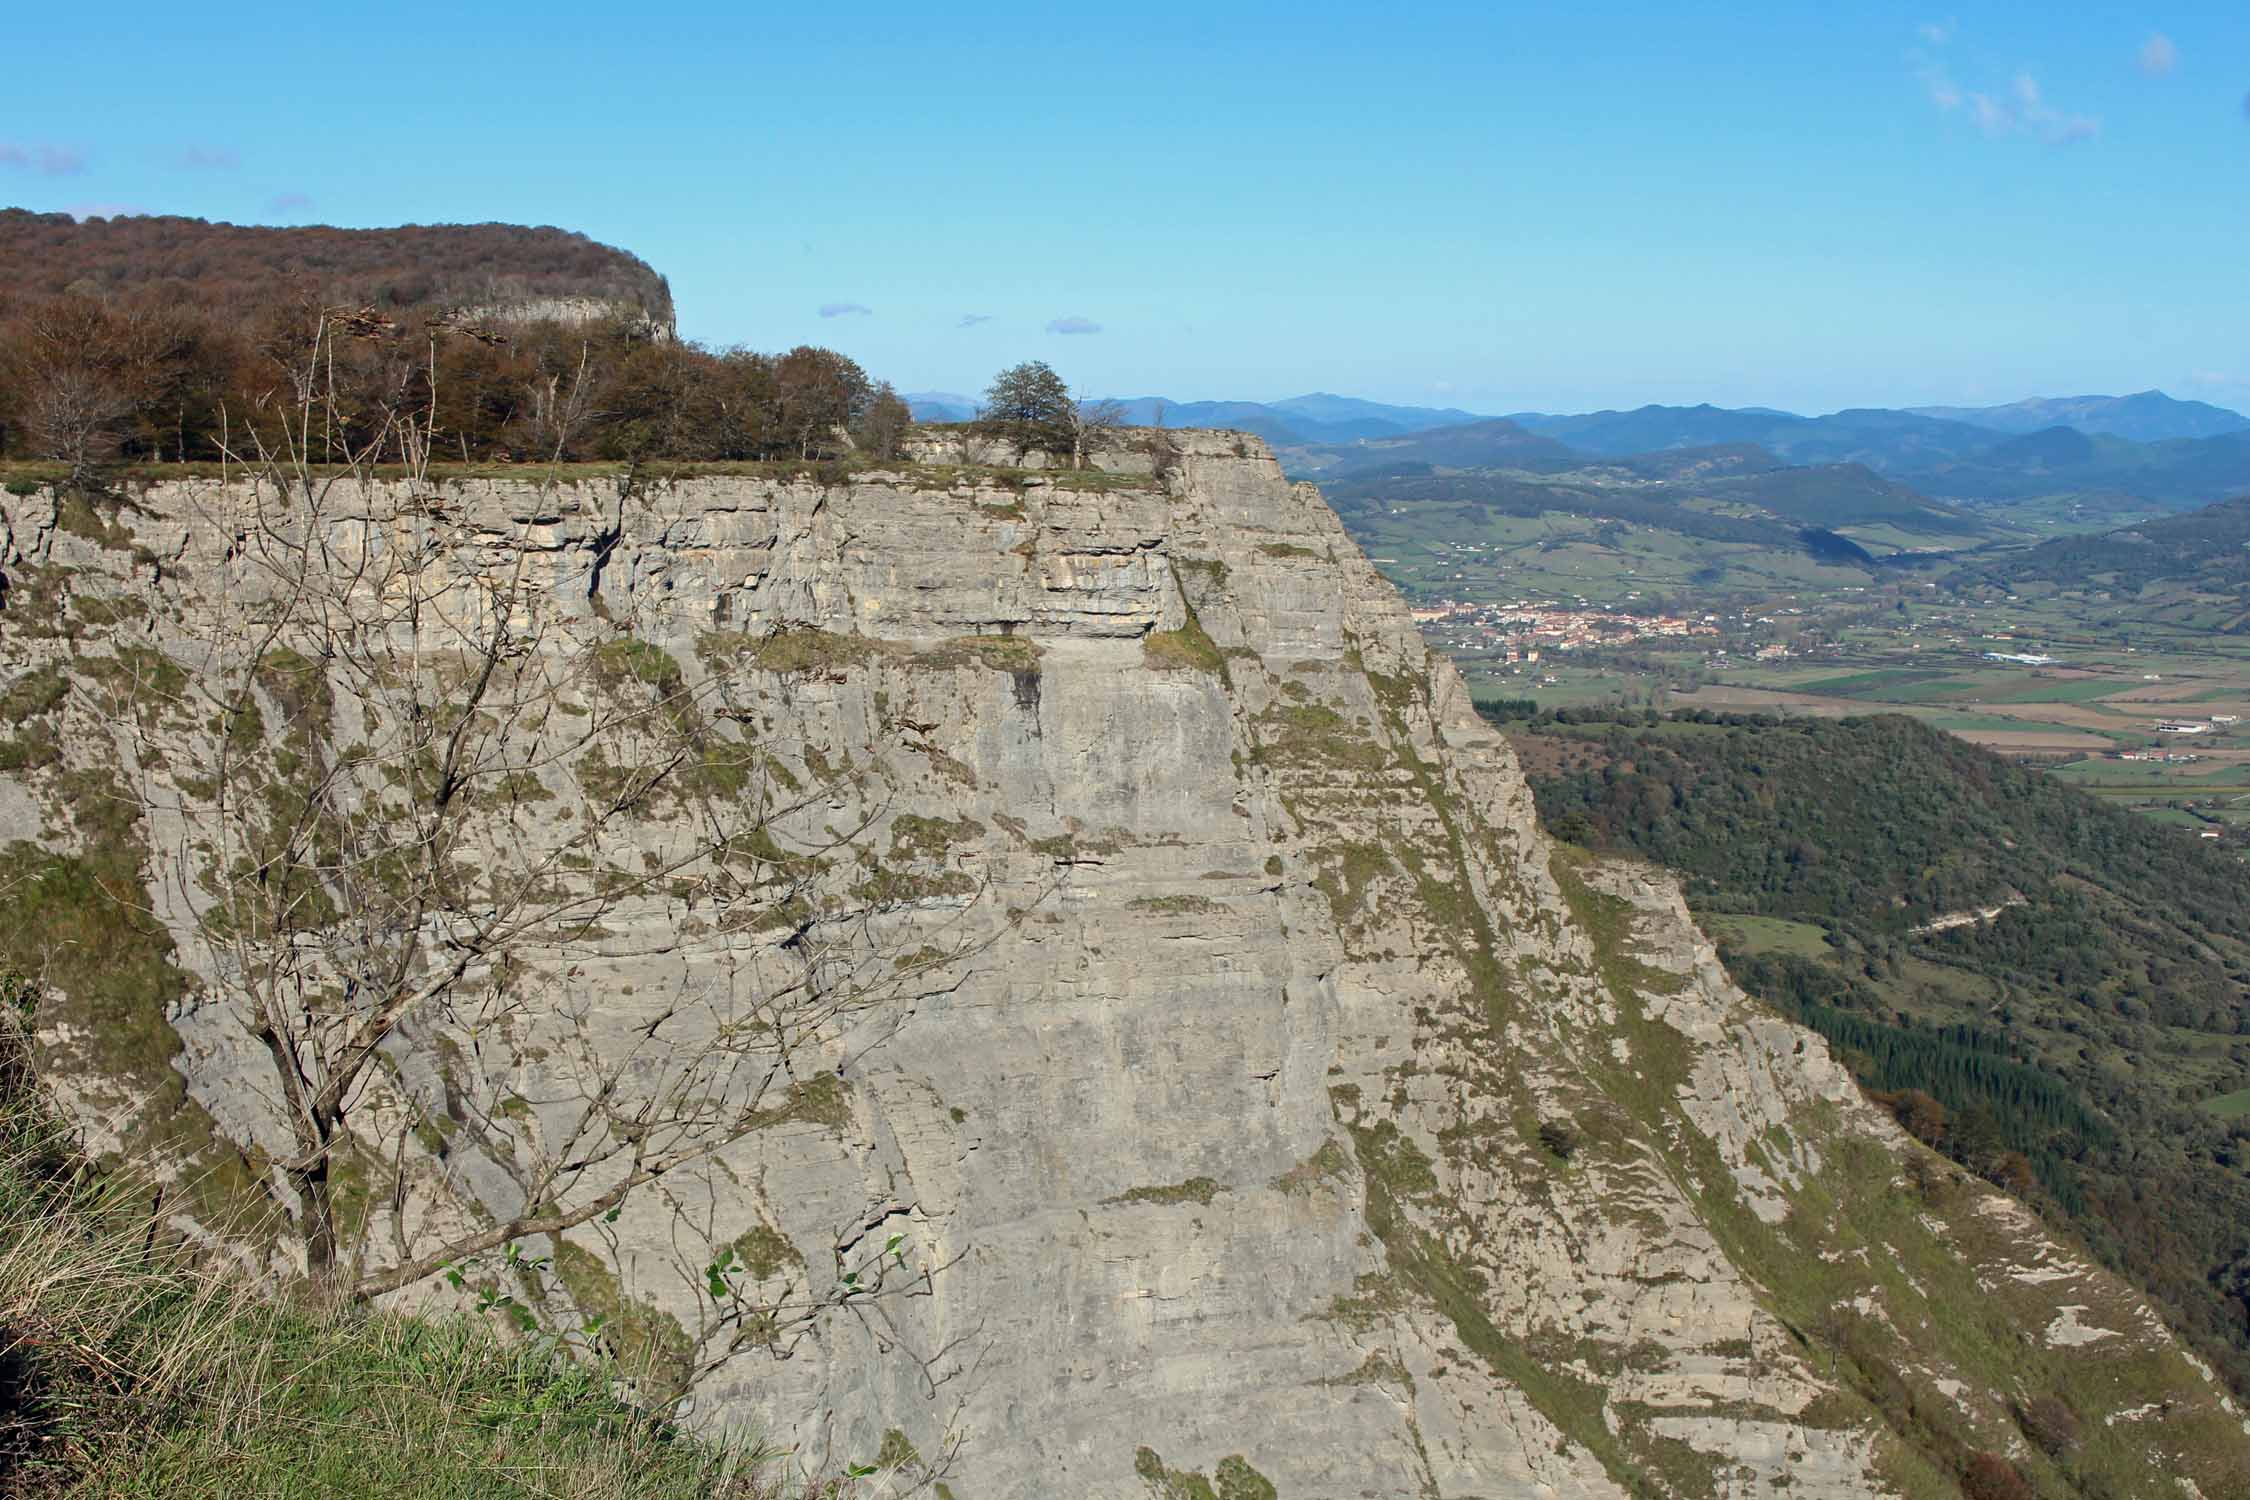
{"type": "Point", "coordinates": [1560, 1136]}
{"type": "Point", "coordinates": [1991, 1477]}
{"type": "Point", "coordinates": [2050, 1423]}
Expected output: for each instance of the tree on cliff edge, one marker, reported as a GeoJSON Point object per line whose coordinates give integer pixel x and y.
{"type": "Point", "coordinates": [1027, 405]}
{"type": "Point", "coordinates": [1030, 406]}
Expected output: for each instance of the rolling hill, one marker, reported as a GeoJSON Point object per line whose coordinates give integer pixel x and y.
{"type": "Point", "coordinates": [2164, 568]}
{"type": "Point", "coordinates": [1495, 443]}
{"type": "Point", "coordinates": [1883, 440]}
{"type": "Point", "coordinates": [1730, 521]}
{"type": "Point", "coordinates": [2178, 472]}
{"type": "Point", "coordinates": [1499, 465]}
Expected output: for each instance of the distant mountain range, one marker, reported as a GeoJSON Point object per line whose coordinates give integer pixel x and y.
{"type": "Point", "coordinates": [2144, 417]}
{"type": "Point", "coordinates": [2147, 447]}
{"type": "Point", "coordinates": [1298, 422]}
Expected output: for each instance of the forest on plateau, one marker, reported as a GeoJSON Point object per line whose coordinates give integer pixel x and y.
{"type": "Point", "coordinates": [238, 267]}
{"type": "Point", "coordinates": [2043, 987]}
{"type": "Point", "coordinates": [156, 341]}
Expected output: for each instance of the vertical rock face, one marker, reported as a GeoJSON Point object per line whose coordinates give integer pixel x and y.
{"type": "Point", "coordinates": [1291, 1118]}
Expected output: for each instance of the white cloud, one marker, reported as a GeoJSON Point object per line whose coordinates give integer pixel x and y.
{"type": "Point", "coordinates": [2022, 110]}
{"type": "Point", "coordinates": [971, 320]}
{"type": "Point", "coordinates": [2159, 56]}
{"type": "Point", "coordinates": [84, 211]}
{"type": "Point", "coordinates": [1074, 325]}
{"type": "Point", "coordinates": [2055, 126]}
{"type": "Point", "coordinates": [845, 310]}
{"type": "Point", "coordinates": [47, 160]}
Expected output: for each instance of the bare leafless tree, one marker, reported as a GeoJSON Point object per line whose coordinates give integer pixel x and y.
{"type": "Point", "coordinates": [406, 794]}
{"type": "Point", "coordinates": [1089, 423]}
{"type": "Point", "coordinates": [78, 370]}
{"type": "Point", "coordinates": [560, 405]}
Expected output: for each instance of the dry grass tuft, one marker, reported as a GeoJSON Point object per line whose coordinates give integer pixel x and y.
{"type": "Point", "coordinates": [128, 1368]}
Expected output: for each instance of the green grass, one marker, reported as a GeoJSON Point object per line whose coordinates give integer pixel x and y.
{"type": "Point", "coordinates": [2230, 1106]}
{"type": "Point", "coordinates": [133, 1370]}
{"type": "Point", "coordinates": [1769, 935]}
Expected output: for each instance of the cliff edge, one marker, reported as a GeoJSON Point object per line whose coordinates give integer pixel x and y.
{"type": "Point", "coordinates": [1246, 1097]}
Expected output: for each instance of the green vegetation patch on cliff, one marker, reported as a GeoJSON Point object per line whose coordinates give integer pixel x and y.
{"type": "Point", "coordinates": [997, 653]}
{"type": "Point", "coordinates": [1196, 1190]}
{"type": "Point", "coordinates": [1234, 1479]}
{"type": "Point", "coordinates": [1187, 648]}
{"type": "Point", "coordinates": [797, 650]}
{"type": "Point", "coordinates": [1184, 649]}
{"type": "Point", "coordinates": [646, 1341]}
{"type": "Point", "coordinates": [1315, 735]}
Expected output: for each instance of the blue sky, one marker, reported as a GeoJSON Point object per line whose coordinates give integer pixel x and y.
{"type": "Point", "coordinates": [1492, 206]}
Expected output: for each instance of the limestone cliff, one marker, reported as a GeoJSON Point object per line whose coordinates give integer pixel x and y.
{"type": "Point", "coordinates": [1284, 1115]}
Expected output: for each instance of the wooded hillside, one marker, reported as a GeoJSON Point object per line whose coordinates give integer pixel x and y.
{"type": "Point", "coordinates": [221, 267]}
{"type": "Point", "coordinates": [164, 340]}
{"type": "Point", "coordinates": [2048, 988]}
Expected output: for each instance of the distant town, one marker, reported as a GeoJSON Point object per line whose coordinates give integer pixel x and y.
{"type": "Point", "coordinates": [1521, 630]}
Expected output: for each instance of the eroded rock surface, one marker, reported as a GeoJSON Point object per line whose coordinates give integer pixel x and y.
{"type": "Point", "coordinates": [1297, 1117]}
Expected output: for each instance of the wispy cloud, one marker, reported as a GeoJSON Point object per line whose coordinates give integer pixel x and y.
{"type": "Point", "coordinates": [1943, 91]}
{"type": "Point", "coordinates": [45, 159]}
{"type": "Point", "coordinates": [84, 211]}
{"type": "Point", "coordinates": [1938, 33]}
{"type": "Point", "coordinates": [845, 310]}
{"type": "Point", "coordinates": [1074, 325]}
{"type": "Point", "coordinates": [1992, 116]}
{"type": "Point", "coordinates": [2159, 56]}
{"type": "Point", "coordinates": [2057, 127]}
{"type": "Point", "coordinates": [2216, 377]}
{"type": "Point", "coordinates": [288, 203]}
{"type": "Point", "coordinates": [971, 320]}
{"type": "Point", "coordinates": [2021, 109]}
{"type": "Point", "coordinates": [207, 159]}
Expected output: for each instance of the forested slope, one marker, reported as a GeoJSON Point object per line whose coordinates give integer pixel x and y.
{"type": "Point", "coordinates": [2061, 1044]}
{"type": "Point", "coordinates": [238, 266]}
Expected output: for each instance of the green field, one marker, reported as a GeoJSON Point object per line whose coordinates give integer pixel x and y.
{"type": "Point", "coordinates": [1769, 935]}
{"type": "Point", "coordinates": [2230, 1106]}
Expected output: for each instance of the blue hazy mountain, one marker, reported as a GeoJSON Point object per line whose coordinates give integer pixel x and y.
{"type": "Point", "coordinates": [1882, 440]}
{"type": "Point", "coordinates": [940, 406]}
{"type": "Point", "coordinates": [2146, 447]}
{"type": "Point", "coordinates": [2144, 417]}
{"type": "Point", "coordinates": [1315, 419]}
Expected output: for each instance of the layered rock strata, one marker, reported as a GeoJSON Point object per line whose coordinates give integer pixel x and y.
{"type": "Point", "coordinates": [1287, 1117]}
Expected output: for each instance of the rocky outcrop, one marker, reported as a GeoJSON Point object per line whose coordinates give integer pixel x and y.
{"type": "Point", "coordinates": [572, 312]}
{"type": "Point", "coordinates": [1292, 1118]}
